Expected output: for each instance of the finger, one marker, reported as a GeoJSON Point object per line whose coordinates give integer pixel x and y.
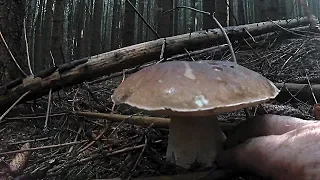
{"type": "Point", "coordinates": [262, 126]}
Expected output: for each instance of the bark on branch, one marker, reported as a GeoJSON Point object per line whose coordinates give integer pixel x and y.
{"type": "Point", "coordinates": [103, 64]}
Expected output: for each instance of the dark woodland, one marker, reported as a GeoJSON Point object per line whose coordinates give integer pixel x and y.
{"type": "Point", "coordinates": [62, 60]}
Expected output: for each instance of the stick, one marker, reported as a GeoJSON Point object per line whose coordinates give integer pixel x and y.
{"type": "Point", "coordinates": [43, 147]}
{"type": "Point", "coordinates": [142, 120]}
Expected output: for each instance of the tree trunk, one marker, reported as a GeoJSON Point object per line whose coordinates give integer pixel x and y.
{"type": "Point", "coordinates": [283, 9]}
{"type": "Point", "coordinates": [175, 17]}
{"type": "Point", "coordinates": [140, 22]}
{"type": "Point", "coordinates": [97, 21]}
{"type": "Point", "coordinates": [221, 12]}
{"type": "Point", "coordinates": [57, 33]}
{"type": "Point", "coordinates": [88, 28]}
{"type": "Point", "coordinates": [115, 25]}
{"type": "Point", "coordinates": [70, 32]}
{"type": "Point", "coordinates": [232, 18]}
{"type": "Point", "coordinates": [193, 16]}
{"type": "Point", "coordinates": [47, 35]}
{"type": "Point", "coordinates": [208, 6]}
{"type": "Point", "coordinates": [11, 23]}
{"type": "Point", "coordinates": [79, 23]}
{"type": "Point", "coordinates": [164, 20]}
{"type": "Point", "coordinates": [241, 12]}
{"type": "Point", "coordinates": [38, 61]}
{"type": "Point", "coordinates": [106, 24]}
{"type": "Point", "coordinates": [129, 22]}
{"type": "Point", "coordinates": [271, 11]}
{"type": "Point", "coordinates": [30, 27]}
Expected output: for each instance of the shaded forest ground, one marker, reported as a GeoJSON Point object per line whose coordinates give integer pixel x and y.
{"type": "Point", "coordinates": [125, 150]}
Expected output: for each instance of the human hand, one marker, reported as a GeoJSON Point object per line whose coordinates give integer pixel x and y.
{"type": "Point", "coordinates": [277, 147]}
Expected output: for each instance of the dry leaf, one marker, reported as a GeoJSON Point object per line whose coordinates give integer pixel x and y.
{"type": "Point", "coordinates": [316, 111]}
{"type": "Point", "coordinates": [19, 162]}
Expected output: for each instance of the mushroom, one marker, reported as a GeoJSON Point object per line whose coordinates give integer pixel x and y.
{"type": "Point", "coordinates": [192, 94]}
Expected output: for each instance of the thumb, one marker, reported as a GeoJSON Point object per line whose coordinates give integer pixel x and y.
{"type": "Point", "coordinates": [252, 155]}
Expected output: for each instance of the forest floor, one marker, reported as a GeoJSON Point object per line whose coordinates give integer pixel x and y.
{"type": "Point", "coordinates": [126, 150]}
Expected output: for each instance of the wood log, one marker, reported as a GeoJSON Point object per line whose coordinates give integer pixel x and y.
{"type": "Point", "coordinates": [300, 92]}
{"type": "Point", "coordinates": [103, 64]}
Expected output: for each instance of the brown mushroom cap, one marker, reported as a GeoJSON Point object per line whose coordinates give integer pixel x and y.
{"type": "Point", "coordinates": [194, 88]}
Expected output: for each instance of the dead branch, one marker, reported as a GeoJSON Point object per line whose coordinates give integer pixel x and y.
{"type": "Point", "coordinates": [141, 120]}
{"type": "Point", "coordinates": [114, 61]}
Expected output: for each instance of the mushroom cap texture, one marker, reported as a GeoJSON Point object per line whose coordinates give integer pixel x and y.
{"type": "Point", "coordinates": [194, 88]}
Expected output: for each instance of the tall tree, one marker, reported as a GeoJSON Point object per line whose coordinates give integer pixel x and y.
{"type": "Point", "coordinates": [57, 34]}
{"type": "Point", "coordinates": [47, 34]}
{"type": "Point", "coordinates": [241, 12]}
{"type": "Point", "coordinates": [115, 25]}
{"type": "Point", "coordinates": [141, 26]}
{"type": "Point", "coordinates": [97, 21]}
{"type": "Point", "coordinates": [88, 27]}
{"type": "Point", "coordinates": [79, 24]}
{"type": "Point", "coordinates": [208, 6]}
{"type": "Point", "coordinates": [193, 16]}
{"type": "Point", "coordinates": [38, 61]}
{"type": "Point", "coordinates": [175, 17]}
{"type": "Point", "coordinates": [70, 30]}
{"type": "Point", "coordinates": [11, 23]}
{"type": "Point", "coordinates": [221, 12]}
{"type": "Point", "coordinates": [30, 20]}
{"type": "Point", "coordinates": [165, 20]}
{"type": "Point", "coordinates": [232, 19]}
{"type": "Point", "coordinates": [129, 21]}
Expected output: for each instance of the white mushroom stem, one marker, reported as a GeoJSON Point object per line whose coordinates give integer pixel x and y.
{"type": "Point", "coordinates": [194, 139]}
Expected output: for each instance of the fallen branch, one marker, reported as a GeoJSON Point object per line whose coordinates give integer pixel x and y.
{"type": "Point", "coordinates": [114, 61]}
{"type": "Point", "coordinates": [142, 120]}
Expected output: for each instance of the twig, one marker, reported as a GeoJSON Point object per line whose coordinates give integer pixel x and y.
{"type": "Point", "coordinates": [245, 29]}
{"type": "Point", "coordinates": [75, 139]}
{"type": "Point", "coordinates": [14, 104]}
{"type": "Point", "coordinates": [87, 87]}
{"type": "Point", "coordinates": [14, 59]}
{"type": "Point", "coordinates": [116, 152]}
{"type": "Point", "coordinates": [74, 99]}
{"type": "Point", "coordinates": [28, 141]}
{"type": "Point", "coordinates": [43, 147]}
{"type": "Point", "coordinates": [140, 155]}
{"type": "Point", "coordinates": [227, 39]}
{"type": "Point", "coordinates": [48, 111]}
{"type": "Point", "coordinates": [74, 162]}
{"type": "Point", "coordinates": [34, 117]}
{"type": "Point", "coordinates": [27, 46]}
{"type": "Point", "coordinates": [53, 61]}
{"type": "Point", "coordinates": [92, 142]}
{"type": "Point", "coordinates": [285, 63]}
{"type": "Point", "coordinates": [163, 47]}
{"type": "Point", "coordinates": [188, 54]}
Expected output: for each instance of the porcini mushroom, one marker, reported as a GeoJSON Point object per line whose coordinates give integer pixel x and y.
{"type": "Point", "coordinates": [192, 94]}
